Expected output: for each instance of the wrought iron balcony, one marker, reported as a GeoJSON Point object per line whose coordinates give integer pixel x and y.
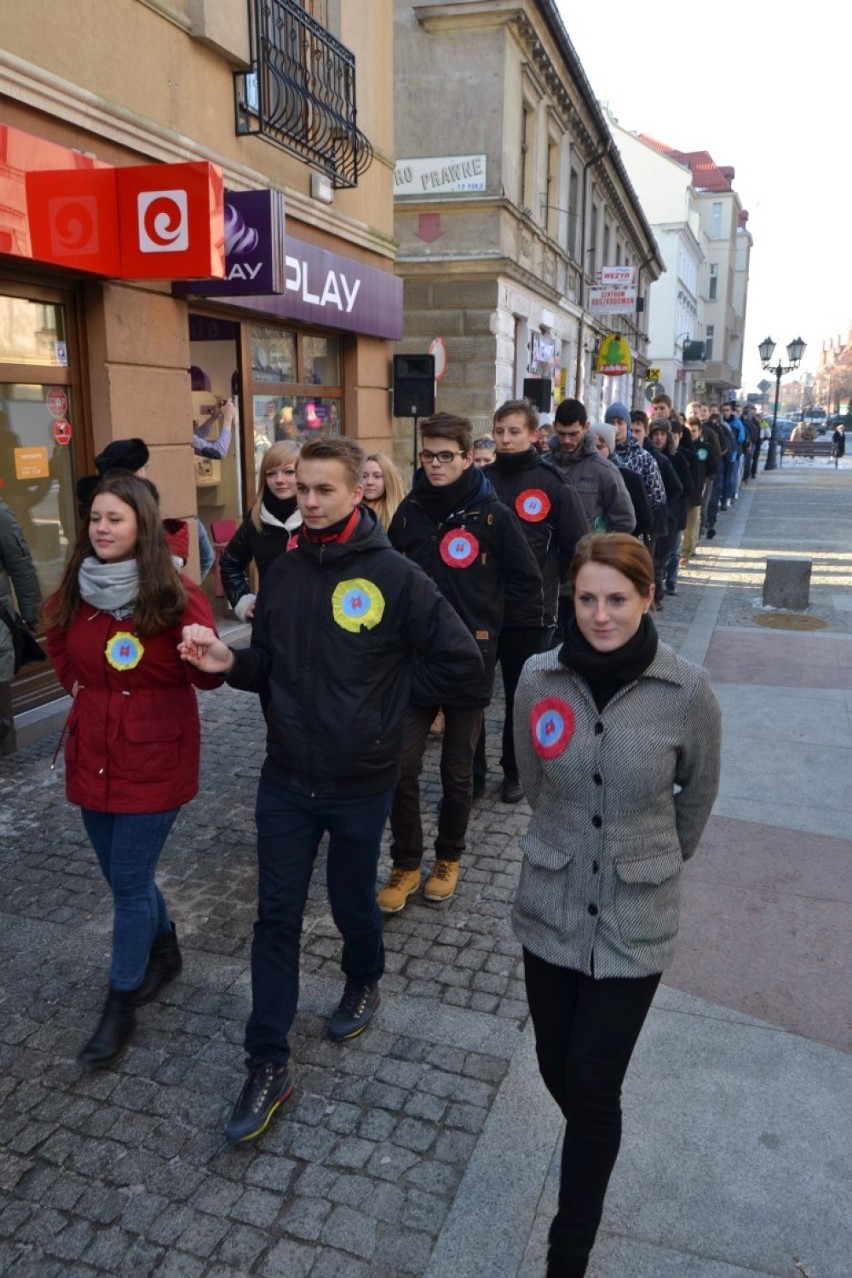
{"type": "Point", "coordinates": [300, 91]}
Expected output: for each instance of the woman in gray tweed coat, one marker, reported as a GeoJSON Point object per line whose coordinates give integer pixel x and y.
{"type": "Point", "coordinates": [618, 746]}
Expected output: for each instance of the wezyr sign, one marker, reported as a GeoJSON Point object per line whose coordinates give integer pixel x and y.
{"type": "Point", "coordinates": [440, 175]}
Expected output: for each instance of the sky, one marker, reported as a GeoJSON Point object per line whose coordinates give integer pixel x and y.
{"type": "Point", "coordinates": [768, 94]}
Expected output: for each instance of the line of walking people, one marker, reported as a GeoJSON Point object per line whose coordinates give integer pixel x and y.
{"type": "Point", "coordinates": [359, 637]}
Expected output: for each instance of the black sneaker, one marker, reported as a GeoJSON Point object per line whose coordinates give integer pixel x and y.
{"type": "Point", "coordinates": [264, 1090]}
{"type": "Point", "coordinates": [671, 590]}
{"type": "Point", "coordinates": [711, 533]}
{"type": "Point", "coordinates": [354, 1011]}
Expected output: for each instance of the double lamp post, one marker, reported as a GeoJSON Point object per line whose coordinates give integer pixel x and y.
{"type": "Point", "coordinates": [795, 351]}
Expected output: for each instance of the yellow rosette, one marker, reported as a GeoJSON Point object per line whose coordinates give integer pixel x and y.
{"type": "Point", "coordinates": [124, 651]}
{"type": "Point", "coordinates": [357, 604]}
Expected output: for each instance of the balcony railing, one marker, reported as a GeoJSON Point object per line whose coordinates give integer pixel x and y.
{"type": "Point", "coordinates": [300, 91]}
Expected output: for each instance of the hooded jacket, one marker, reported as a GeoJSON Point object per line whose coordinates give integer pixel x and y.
{"type": "Point", "coordinates": [16, 569]}
{"type": "Point", "coordinates": [632, 456]}
{"type": "Point", "coordinates": [344, 634]}
{"type": "Point", "coordinates": [133, 740]}
{"type": "Point", "coordinates": [552, 519]}
{"type": "Point", "coordinates": [598, 484]}
{"type": "Point", "coordinates": [480, 560]}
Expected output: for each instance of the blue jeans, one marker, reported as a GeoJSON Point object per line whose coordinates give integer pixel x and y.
{"type": "Point", "coordinates": [128, 846]}
{"type": "Point", "coordinates": [289, 829]}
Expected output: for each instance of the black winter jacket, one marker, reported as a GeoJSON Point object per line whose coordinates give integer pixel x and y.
{"type": "Point", "coordinates": [249, 544]}
{"type": "Point", "coordinates": [553, 520]}
{"type": "Point", "coordinates": [336, 673]}
{"type": "Point", "coordinates": [479, 559]}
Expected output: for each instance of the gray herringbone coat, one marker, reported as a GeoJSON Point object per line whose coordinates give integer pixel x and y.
{"type": "Point", "coordinates": [619, 803]}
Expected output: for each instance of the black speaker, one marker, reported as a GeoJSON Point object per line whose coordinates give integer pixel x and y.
{"type": "Point", "coordinates": [413, 385]}
{"type": "Point", "coordinates": [539, 391]}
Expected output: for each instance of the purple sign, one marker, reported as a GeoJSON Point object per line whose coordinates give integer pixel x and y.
{"type": "Point", "coordinates": [254, 247]}
{"type": "Point", "coordinates": [335, 292]}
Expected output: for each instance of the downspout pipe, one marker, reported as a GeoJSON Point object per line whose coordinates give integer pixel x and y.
{"type": "Point", "coordinates": [578, 373]}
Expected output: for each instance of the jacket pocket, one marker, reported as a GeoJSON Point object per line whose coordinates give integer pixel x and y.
{"type": "Point", "coordinates": [647, 898]}
{"type": "Point", "coordinates": [543, 854]}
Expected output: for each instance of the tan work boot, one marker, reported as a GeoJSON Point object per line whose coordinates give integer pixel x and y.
{"type": "Point", "coordinates": [441, 883]}
{"type": "Point", "coordinates": [397, 890]}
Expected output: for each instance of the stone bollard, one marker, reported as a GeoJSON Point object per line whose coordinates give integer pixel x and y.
{"type": "Point", "coordinates": [787, 583]}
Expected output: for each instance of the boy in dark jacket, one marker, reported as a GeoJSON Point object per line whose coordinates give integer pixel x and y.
{"type": "Point", "coordinates": [345, 632]}
{"type": "Point", "coordinates": [553, 519]}
{"type": "Point", "coordinates": [454, 526]}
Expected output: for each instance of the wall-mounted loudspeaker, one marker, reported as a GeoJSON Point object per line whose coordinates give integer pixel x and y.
{"type": "Point", "coordinates": [413, 385]}
{"type": "Point", "coordinates": [539, 391]}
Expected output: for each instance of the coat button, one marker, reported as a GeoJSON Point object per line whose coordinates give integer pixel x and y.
{"type": "Point", "coordinates": [593, 909]}
{"type": "Point", "coordinates": [597, 822]}
{"type": "Point", "coordinates": [595, 867]}
{"type": "Point", "coordinates": [598, 727]}
{"type": "Point", "coordinates": [598, 779]}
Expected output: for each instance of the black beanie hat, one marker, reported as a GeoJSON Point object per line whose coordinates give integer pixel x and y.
{"type": "Point", "coordinates": [123, 454]}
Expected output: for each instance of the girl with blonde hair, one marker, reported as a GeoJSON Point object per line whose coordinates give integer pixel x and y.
{"type": "Point", "coordinates": [383, 487]}
{"type": "Point", "coordinates": [267, 528]}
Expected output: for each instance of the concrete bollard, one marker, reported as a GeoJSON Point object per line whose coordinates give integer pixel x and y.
{"type": "Point", "coordinates": [787, 583]}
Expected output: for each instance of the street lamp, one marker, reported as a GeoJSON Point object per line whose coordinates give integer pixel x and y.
{"type": "Point", "coordinates": [795, 351]}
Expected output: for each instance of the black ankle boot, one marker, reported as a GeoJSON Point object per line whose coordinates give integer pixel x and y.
{"type": "Point", "coordinates": [164, 963]}
{"type": "Point", "coordinates": [115, 1029]}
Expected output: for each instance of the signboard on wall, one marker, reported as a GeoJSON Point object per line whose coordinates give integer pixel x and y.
{"type": "Point", "coordinates": [440, 175]}
{"type": "Point", "coordinates": [612, 301]}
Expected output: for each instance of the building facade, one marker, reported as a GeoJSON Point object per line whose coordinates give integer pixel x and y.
{"type": "Point", "coordinates": [510, 197]}
{"type": "Point", "coordinates": [295, 314]}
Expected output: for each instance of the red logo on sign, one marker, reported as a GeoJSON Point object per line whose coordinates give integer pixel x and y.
{"type": "Point", "coordinates": [459, 548]}
{"type": "Point", "coordinates": [73, 216]}
{"type": "Point", "coordinates": [57, 402]}
{"type": "Point", "coordinates": [62, 431]}
{"type": "Point", "coordinates": [552, 726]}
{"type": "Point", "coordinates": [533, 505]}
{"type": "Point", "coordinates": [172, 219]}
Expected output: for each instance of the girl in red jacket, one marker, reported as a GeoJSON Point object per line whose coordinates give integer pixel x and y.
{"type": "Point", "coordinates": [132, 752]}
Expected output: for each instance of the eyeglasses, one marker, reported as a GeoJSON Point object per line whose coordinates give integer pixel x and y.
{"type": "Point", "coordinates": [445, 457]}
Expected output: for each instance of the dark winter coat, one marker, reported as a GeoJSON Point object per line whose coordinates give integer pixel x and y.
{"type": "Point", "coordinates": [133, 741]}
{"type": "Point", "coordinates": [248, 543]}
{"type": "Point", "coordinates": [481, 562]}
{"type": "Point", "coordinates": [337, 672]}
{"type": "Point", "coordinates": [16, 570]}
{"type": "Point", "coordinates": [599, 485]}
{"type": "Point", "coordinates": [552, 519]}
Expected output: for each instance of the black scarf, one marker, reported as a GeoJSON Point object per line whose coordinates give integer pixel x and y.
{"type": "Point", "coordinates": [279, 507]}
{"type": "Point", "coordinates": [606, 672]}
{"type": "Point", "coordinates": [441, 502]}
{"type": "Point", "coordinates": [511, 463]}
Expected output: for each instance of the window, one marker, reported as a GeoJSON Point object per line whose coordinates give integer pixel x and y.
{"type": "Point", "coordinates": [551, 211]}
{"type": "Point", "coordinates": [606, 261]}
{"type": "Point", "coordinates": [300, 91]}
{"type": "Point", "coordinates": [573, 202]}
{"type": "Point", "coordinates": [713, 288]}
{"type": "Point", "coordinates": [592, 254]}
{"type": "Point", "coordinates": [716, 220]}
{"type": "Point", "coordinates": [708, 341]}
{"type": "Point", "coordinates": [527, 156]}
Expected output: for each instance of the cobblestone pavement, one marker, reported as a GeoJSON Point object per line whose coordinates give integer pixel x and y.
{"type": "Point", "coordinates": [126, 1171]}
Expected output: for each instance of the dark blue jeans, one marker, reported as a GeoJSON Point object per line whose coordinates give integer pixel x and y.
{"type": "Point", "coordinates": [128, 846]}
{"type": "Point", "coordinates": [289, 829]}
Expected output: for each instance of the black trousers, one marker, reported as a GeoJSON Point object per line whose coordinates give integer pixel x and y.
{"type": "Point", "coordinates": [461, 730]}
{"type": "Point", "coordinates": [585, 1033]}
{"type": "Point", "coordinates": [514, 647]}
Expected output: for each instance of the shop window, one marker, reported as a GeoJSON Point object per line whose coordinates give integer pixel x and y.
{"type": "Point", "coordinates": [37, 428]}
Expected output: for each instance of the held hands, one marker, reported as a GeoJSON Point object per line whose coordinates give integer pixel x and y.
{"type": "Point", "coordinates": [202, 648]}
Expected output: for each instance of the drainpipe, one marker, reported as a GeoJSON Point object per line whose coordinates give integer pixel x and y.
{"type": "Point", "coordinates": [578, 374]}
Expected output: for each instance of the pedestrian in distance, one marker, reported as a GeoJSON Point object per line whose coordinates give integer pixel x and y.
{"type": "Point", "coordinates": [455, 527]}
{"type": "Point", "coordinates": [133, 733]}
{"type": "Point", "coordinates": [618, 742]}
{"type": "Point", "coordinates": [267, 530]}
{"type": "Point", "coordinates": [484, 451]}
{"type": "Point", "coordinates": [384, 487]}
{"type": "Point", "coordinates": [602, 435]}
{"type": "Point", "coordinates": [345, 633]}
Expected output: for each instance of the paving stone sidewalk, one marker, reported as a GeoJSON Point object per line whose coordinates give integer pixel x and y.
{"type": "Point", "coordinates": [127, 1172]}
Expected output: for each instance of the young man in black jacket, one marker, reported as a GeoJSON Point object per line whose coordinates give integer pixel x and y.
{"type": "Point", "coordinates": [553, 519]}
{"type": "Point", "coordinates": [345, 633]}
{"type": "Point", "coordinates": [454, 526]}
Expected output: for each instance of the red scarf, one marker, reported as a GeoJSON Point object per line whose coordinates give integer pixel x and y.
{"type": "Point", "coordinates": [339, 532]}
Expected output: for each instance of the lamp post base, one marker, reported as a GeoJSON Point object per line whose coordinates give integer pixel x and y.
{"type": "Point", "coordinates": [771, 462]}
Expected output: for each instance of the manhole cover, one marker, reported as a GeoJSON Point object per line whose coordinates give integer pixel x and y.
{"type": "Point", "coordinates": [789, 621]}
